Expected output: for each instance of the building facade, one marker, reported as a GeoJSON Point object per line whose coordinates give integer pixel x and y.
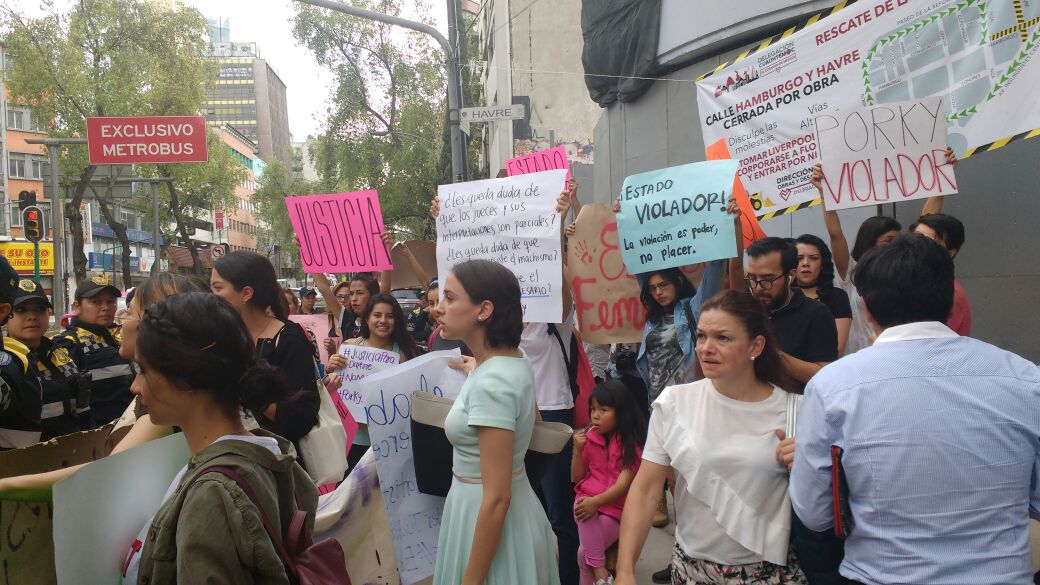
{"type": "Point", "coordinates": [531, 55]}
{"type": "Point", "coordinates": [239, 226]}
{"type": "Point", "coordinates": [249, 96]}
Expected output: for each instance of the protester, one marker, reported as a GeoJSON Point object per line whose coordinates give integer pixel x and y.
{"type": "Point", "coordinates": [247, 281]}
{"type": "Point", "coordinates": [92, 340]}
{"type": "Point", "coordinates": [382, 327]}
{"type": "Point", "coordinates": [493, 529]}
{"type": "Point", "coordinates": [806, 335]}
{"type": "Point", "coordinates": [938, 437]}
{"type": "Point", "coordinates": [419, 322]}
{"type": "Point", "coordinates": [815, 277]}
{"type": "Point", "coordinates": [208, 529]}
{"type": "Point", "coordinates": [606, 458]}
{"type": "Point", "coordinates": [292, 301]}
{"type": "Point", "coordinates": [38, 487]}
{"type": "Point", "coordinates": [20, 390]}
{"type": "Point", "coordinates": [65, 400]}
{"type": "Point", "coordinates": [724, 437]}
{"type": "Point", "coordinates": [308, 298]}
{"type": "Point", "coordinates": [949, 232]}
{"type": "Point", "coordinates": [436, 341]}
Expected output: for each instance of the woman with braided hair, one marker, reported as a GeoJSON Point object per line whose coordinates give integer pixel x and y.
{"type": "Point", "coordinates": [208, 528]}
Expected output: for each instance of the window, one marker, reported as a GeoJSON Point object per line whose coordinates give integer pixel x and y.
{"type": "Point", "coordinates": [17, 119]}
{"type": "Point", "coordinates": [16, 214]}
{"type": "Point", "coordinates": [37, 167]}
{"type": "Point", "coordinates": [16, 165]}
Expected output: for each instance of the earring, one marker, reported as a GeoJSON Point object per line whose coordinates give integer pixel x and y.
{"type": "Point", "coordinates": [480, 319]}
{"type": "Point", "coordinates": [753, 357]}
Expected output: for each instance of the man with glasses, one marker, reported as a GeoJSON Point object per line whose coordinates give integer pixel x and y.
{"type": "Point", "coordinates": [804, 328]}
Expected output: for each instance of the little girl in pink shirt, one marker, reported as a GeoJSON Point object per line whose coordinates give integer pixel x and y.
{"type": "Point", "coordinates": [606, 457]}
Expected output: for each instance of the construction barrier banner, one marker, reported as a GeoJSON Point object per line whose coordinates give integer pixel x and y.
{"type": "Point", "coordinates": [979, 57]}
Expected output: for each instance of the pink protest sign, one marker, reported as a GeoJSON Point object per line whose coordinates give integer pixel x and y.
{"type": "Point", "coordinates": [536, 162]}
{"type": "Point", "coordinates": [339, 232]}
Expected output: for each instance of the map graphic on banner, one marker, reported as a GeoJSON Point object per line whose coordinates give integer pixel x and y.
{"type": "Point", "coordinates": [979, 56]}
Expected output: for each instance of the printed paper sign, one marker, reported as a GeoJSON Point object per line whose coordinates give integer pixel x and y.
{"type": "Point", "coordinates": [414, 517]}
{"type": "Point", "coordinates": [98, 513]}
{"type": "Point", "coordinates": [606, 296]}
{"type": "Point", "coordinates": [536, 162]}
{"type": "Point", "coordinates": [317, 328]}
{"type": "Point", "coordinates": [361, 362]}
{"type": "Point", "coordinates": [981, 58]}
{"type": "Point", "coordinates": [884, 154]}
{"type": "Point", "coordinates": [677, 216]}
{"type": "Point", "coordinates": [340, 232]}
{"type": "Point", "coordinates": [512, 221]}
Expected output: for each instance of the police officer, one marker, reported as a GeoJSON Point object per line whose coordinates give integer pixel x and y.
{"type": "Point", "coordinates": [92, 340]}
{"type": "Point", "coordinates": [66, 399]}
{"type": "Point", "coordinates": [20, 390]}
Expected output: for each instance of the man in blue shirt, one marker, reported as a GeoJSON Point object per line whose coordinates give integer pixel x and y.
{"type": "Point", "coordinates": [940, 433]}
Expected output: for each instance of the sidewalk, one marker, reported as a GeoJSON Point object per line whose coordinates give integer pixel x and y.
{"type": "Point", "coordinates": [657, 552]}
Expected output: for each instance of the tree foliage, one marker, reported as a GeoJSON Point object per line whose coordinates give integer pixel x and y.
{"type": "Point", "coordinates": [269, 198]}
{"type": "Point", "coordinates": [110, 58]}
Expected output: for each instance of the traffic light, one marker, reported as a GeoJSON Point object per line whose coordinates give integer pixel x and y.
{"type": "Point", "coordinates": [32, 222]}
{"type": "Point", "coordinates": [25, 199]}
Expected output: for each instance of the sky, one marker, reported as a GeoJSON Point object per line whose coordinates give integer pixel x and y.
{"type": "Point", "coordinates": [267, 23]}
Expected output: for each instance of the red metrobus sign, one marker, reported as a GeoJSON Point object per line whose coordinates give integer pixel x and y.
{"type": "Point", "coordinates": [146, 139]}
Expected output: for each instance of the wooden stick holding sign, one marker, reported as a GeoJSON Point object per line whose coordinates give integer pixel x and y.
{"type": "Point", "coordinates": [340, 232]}
{"type": "Point", "coordinates": [885, 154]}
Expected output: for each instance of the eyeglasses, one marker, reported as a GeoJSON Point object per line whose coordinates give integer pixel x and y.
{"type": "Point", "coordinates": [659, 287]}
{"type": "Point", "coordinates": [762, 283]}
{"type": "Point", "coordinates": [343, 297]}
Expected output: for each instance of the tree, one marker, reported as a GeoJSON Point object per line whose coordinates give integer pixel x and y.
{"type": "Point", "coordinates": [105, 58]}
{"type": "Point", "coordinates": [386, 121]}
{"type": "Point", "coordinates": [275, 185]}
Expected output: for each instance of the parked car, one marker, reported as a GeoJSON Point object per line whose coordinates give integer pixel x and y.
{"type": "Point", "coordinates": [407, 297]}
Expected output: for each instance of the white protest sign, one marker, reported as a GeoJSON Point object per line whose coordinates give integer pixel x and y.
{"type": "Point", "coordinates": [361, 362]}
{"type": "Point", "coordinates": [512, 221]}
{"type": "Point", "coordinates": [100, 509]}
{"type": "Point", "coordinates": [884, 154]}
{"type": "Point", "coordinates": [979, 57]}
{"type": "Point", "coordinates": [414, 518]}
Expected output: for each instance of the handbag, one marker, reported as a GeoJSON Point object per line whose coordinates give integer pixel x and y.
{"type": "Point", "coordinates": [306, 563]}
{"type": "Point", "coordinates": [324, 448]}
{"type": "Point", "coordinates": [432, 451]}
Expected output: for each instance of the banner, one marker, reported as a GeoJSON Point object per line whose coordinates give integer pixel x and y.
{"type": "Point", "coordinates": [536, 162]}
{"type": "Point", "coordinates": [317, 328]}
{"type": "Point", "coordinates": [339, 233]}
{"type": "Point", "coordinates": [22, 256]}
{"type": "Point", "coordinates": [606, 296]}
{"type": "Point", "coordinates": [414, 517]}
{"type": "Point", "coordinates": [677, 216]}
{"type": "Point", "coordinates": [884, 154]}
{"type": "Point", "coordinates": [101, 509]}
{"type": "Point", "coordinates": [361, 362]}
{"type": "Point", "coordinates": [512, 221]}
{"type": "Point", "coordinates": [979, 57]}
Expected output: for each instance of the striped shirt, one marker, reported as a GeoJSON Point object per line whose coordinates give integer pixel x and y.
{"type": "Point", "coordinates": [941, 439]}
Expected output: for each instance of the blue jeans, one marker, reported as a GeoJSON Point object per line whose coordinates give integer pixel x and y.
{"type": "Point", "coordinates": [558, 498]}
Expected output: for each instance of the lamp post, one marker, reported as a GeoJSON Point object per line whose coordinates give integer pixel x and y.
{"type": "Point", "coordinates": [458, 169]}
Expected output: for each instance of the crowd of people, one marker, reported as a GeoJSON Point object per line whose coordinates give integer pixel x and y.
{"type": "Point", "coordinates": [819, 415]}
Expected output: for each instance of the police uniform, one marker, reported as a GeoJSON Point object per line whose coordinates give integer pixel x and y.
{"type": "Point", "coordinates": [20, 390]}
{"type": "Point", "coordinates": [65, 407]}
{"type": "Point", "coordinates": [95, 351]}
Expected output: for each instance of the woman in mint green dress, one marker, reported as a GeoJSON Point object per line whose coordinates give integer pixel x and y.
{"type": "Point", "coordinates": [494, 530]}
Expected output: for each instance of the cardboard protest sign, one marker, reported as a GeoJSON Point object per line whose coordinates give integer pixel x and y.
{"type": "Point", "coordinates": [677, 216]}
{"type": "Point", "coordinates": [884, 154]}
{"type": "Point", "coordinates": [100, 510]}
{"type": "Point", "coordinates": [403, 276]}
{"type": "Point", "coordinates": [750, 229]}
{"type": "Point", "coordinates": [354, 515]}
{"type": "Point", "coordinates": [536, 162]}
{"type": "Point", "coordinates": [512, 221]}
{"type": "Point", "coordinates": [340, 232]}
{"type": "Point", "coordinates": [361, 362]}
{"type": "Point", "coordinates": [414, 518]}
{"type": "Point", "coordinates": [26, 528]}
{"type": "Point", "coordinates": [317, 328]}
{"type": "Point", "coordinates": [606, 296]}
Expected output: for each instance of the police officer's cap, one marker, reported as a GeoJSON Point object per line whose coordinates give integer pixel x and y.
{"type": "Point", "coordinates": [29, 289]}
{"type": "Point", "coordinates": [8, 280]}
{"type": "Point", "coordinates": [94, 286]}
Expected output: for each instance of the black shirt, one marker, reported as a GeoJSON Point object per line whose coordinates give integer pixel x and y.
{"type": "Point", "coordinates": [805, 329]}
{"type": "Point", "coordinates": [291, 352]}
{"type": "Point", "coordinates": [837, 300]}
